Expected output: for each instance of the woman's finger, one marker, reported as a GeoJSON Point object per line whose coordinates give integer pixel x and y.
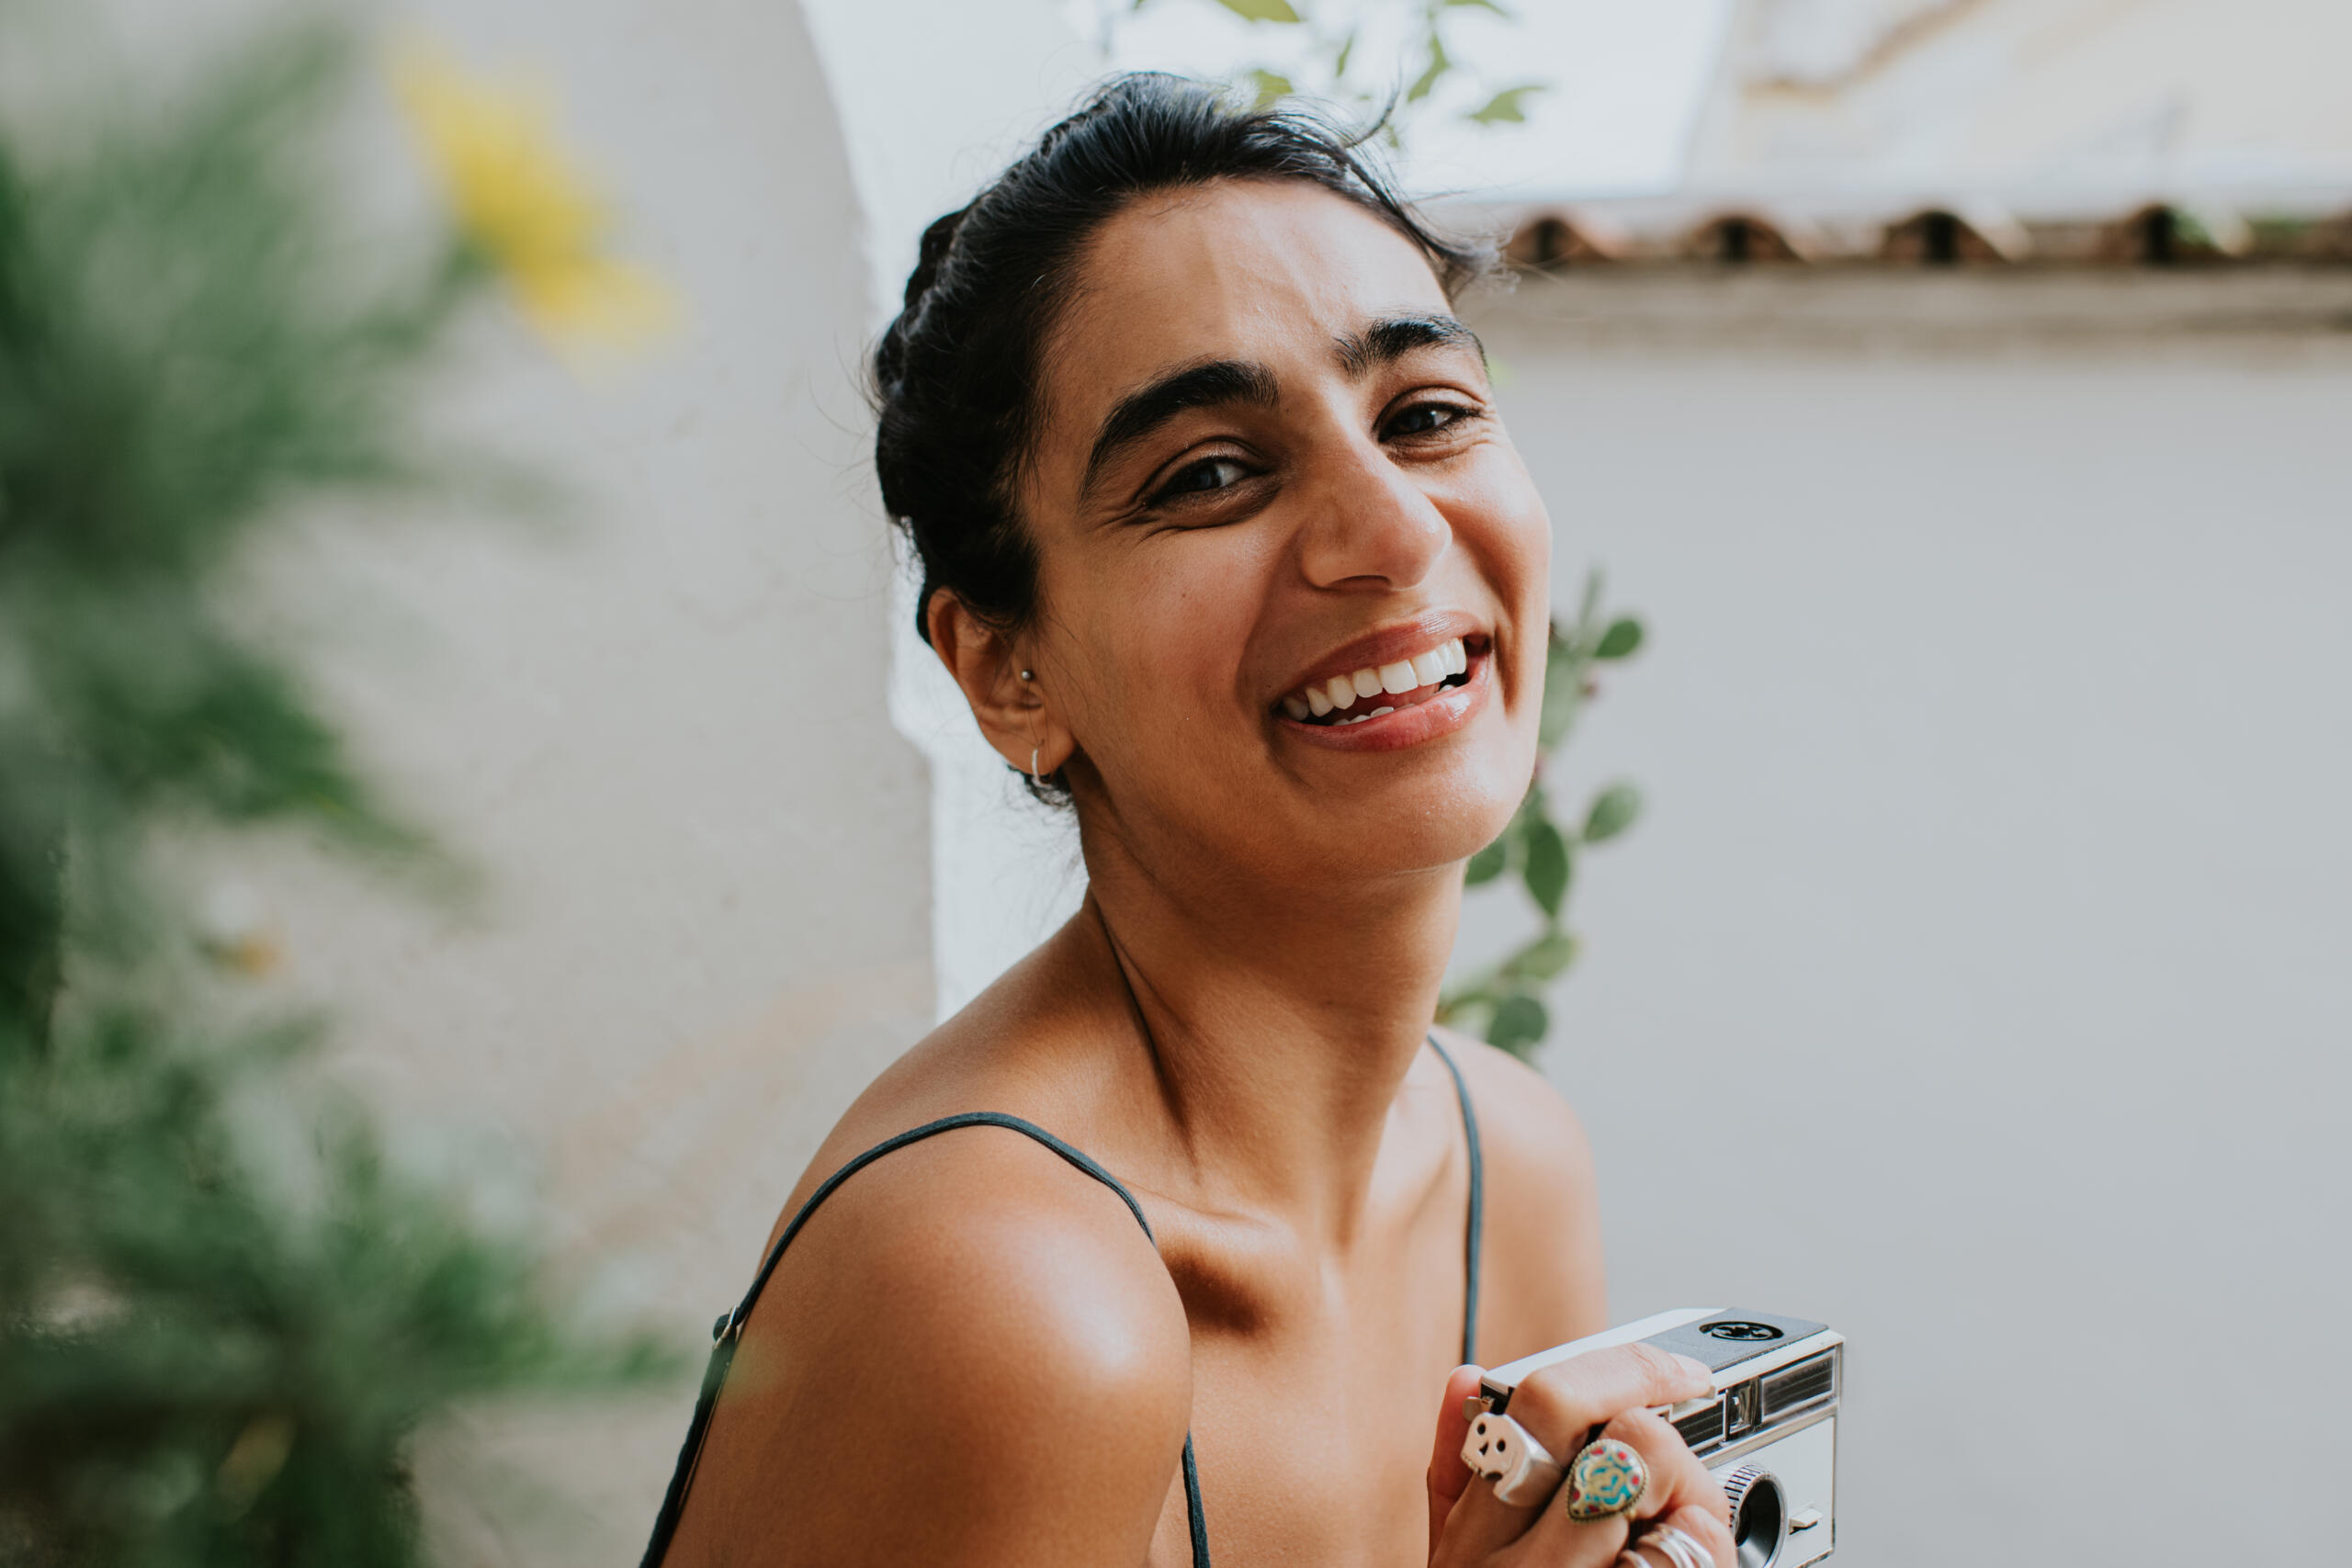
{"type": "Point", "coordinates": [1710, 1534]}
{"type": "Point", "coordinates": [1677, 1484]}
{"type": "Point", "coordinates": [1564, 1402]}
{"type": "Point", "coordinates": [1560, 1405]}
{"type": "Point", "coordinates": [1448, 1476]}
{"type": "Point", "coordinates": [1677, 1478]}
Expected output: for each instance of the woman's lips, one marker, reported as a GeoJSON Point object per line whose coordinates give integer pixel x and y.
{"type": "Point", "coordinates": [1393, 721]}
{"type": "Point", "coordinates": [1351, 698]}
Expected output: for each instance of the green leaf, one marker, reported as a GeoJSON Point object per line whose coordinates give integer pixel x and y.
{"type": "Point", "coordinates": [1504, 107]}
{"type": "Point", "coordinates": [1520, 1024]}
{"type": "Point", "coordinates": [1546, 870]}
{"type": "Point", "coordinates": [1270, 86]}
{"type": "Point", "coordinates": [1481, 5]}
{"type": "Point", "coordinates": [1546, 958]}
{"type": "Point", "coordinates": [1563, 692]}
{"type": "Point", "coordinates": [1620, 640]}
{"type": "Point", "coordinates": [1430, 74]}
{"type": "Point", "coordinates": [1488, 863]}
{"type": "Point", "coordinates": [1588, 609]}
{"type": "Point", "coordinates": [1339, 61]}
{"type": "Point", "coordinates": [1261, 10]}
{"type": "Point", "coordinates": [1613, 811]}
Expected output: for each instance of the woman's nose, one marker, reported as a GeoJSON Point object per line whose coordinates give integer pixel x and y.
{"type": "Point", "coordinates": [1366, 522]}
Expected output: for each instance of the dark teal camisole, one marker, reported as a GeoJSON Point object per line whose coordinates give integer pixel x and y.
{"type": "Point", "coordinates": [730, 1328]}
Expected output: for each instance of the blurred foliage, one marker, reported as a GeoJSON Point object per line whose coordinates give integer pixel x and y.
{"type": "Point", "coordinates": [1542, 846]}
{"type": "Point", "coordinates": [526, 208]}
{"type": "Point", "coordinates": [223, 1313]}
{"type": "Point", "coordinates": [1399, 85]}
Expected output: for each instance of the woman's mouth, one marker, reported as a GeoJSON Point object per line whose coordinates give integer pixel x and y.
{"type": "Point", "coordinates": [1377, 691]}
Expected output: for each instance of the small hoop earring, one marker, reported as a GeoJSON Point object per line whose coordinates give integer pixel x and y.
{"type": "Point", "coordinates": [1033, 768]}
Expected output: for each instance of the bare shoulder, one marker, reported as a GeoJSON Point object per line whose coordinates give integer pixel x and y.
{"type": "Point", "coordinates": [970, 1355]}
{"type": "Point", "coordinates": [1522, 1120]}
{"type": "Point", "coordinates": [1541, 1249]}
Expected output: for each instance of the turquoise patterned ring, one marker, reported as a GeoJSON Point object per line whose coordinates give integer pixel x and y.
{"type": "Point", "coordinates": [1607, 1478]}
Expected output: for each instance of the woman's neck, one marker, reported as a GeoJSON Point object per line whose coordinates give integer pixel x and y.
{"type": "Point", "coordinates": [1277, 1023]}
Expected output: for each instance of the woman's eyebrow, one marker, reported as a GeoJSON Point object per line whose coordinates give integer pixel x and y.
{"type": "Point", "coordinates": [1394, 337]}
{"type": "Point", "coordinates": [1137, 415]}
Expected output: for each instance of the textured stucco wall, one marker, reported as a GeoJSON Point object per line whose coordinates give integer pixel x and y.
{"type": "Point", "coordinates": [1975, 980]}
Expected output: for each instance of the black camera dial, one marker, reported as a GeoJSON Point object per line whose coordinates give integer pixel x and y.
{"type": "Point", "coordinates": [1733, 1329]}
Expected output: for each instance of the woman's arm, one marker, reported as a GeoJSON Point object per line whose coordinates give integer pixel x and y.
{"type": "Point", "coordinates": [971, 1356]}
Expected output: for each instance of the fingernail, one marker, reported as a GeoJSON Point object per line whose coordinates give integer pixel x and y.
{"type": "Point", "coordinates": [1696, 1368]}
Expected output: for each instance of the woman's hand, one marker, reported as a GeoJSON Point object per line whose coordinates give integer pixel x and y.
{"type": "Point", "coordinates": [1470, 1527]}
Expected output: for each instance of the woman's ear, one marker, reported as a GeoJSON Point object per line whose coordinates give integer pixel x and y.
{"type": "Point", "coordinates": [1011, 700]}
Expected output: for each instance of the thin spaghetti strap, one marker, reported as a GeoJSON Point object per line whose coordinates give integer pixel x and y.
{"type": "Point", "coordinates": [1477, 1208]}
{"type": "Point", "coordinates": [730, 1328]}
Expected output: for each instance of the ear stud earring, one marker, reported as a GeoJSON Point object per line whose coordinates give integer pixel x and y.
{"type": "Point", "coordinates": [1026, 675]}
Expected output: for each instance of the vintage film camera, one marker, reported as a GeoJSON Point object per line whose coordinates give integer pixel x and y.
{"type": "Point", "coordinates": [1768, 1432]}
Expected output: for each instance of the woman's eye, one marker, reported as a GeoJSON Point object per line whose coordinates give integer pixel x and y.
{"type": "Point", "coordinates": [1428, 419]}
{"type": "Point", "coordinates": [1208, 475]}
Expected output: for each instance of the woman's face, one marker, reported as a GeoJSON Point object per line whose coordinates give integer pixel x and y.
{"type": "Point", "coordinates": [1294, 576]}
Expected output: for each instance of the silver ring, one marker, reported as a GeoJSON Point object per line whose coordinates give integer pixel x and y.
{"type": "Point", "coordinates": [1632, 1556]}
{"type": "Point", "coordinates": [1680, 1547]}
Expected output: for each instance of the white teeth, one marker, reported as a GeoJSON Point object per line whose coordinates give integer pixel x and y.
{"type": "Point", "coordinates": [1341, 693]}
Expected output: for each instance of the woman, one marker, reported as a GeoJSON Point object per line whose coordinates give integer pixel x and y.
{"type": "Point", "coordinates": [1225, 546]}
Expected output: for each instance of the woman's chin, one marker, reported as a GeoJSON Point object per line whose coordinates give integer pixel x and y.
{"type": "Point", "coordinates": [1424, 824]}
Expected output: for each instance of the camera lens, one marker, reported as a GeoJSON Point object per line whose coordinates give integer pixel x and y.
{"type": "Point", "coordinates": [1759, 1515]}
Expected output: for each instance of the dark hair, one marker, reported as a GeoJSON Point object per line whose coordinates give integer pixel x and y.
{"type": "Point", "coordinates": [956, 377]}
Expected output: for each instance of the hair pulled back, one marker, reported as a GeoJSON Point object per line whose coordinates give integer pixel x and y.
{"type": "Point", "coordinates": [956, 375]}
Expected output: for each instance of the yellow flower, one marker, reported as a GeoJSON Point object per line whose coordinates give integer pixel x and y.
{"type": "Point", "coordinates": [525, 204]}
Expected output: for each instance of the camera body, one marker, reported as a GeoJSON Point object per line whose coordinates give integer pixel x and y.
{"type": "Point", "coordinates": [1768, 1432]}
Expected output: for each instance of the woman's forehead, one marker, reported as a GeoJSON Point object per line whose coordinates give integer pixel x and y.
{"type": "Point", "coordinates": [1258, 270]}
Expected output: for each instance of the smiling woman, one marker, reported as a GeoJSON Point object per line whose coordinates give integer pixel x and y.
{"type": "Point", "coordinates": [1188, 1225]}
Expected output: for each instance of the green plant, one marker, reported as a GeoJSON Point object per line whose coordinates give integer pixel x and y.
{"type": "Point", "coordinates": [1541, 847]}
{"type": "Point", "coordinates": [1338, 63]}
{"type": "Point", "coordinates": [223, 1312]}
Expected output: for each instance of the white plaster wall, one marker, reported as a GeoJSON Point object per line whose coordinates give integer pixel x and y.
{"type": "Point", "coordinates": [1976, 980]}
{"type": "Point", "coordinates": [936, 99]}
{"type": "Point", "coordinates": [2080, 102]}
